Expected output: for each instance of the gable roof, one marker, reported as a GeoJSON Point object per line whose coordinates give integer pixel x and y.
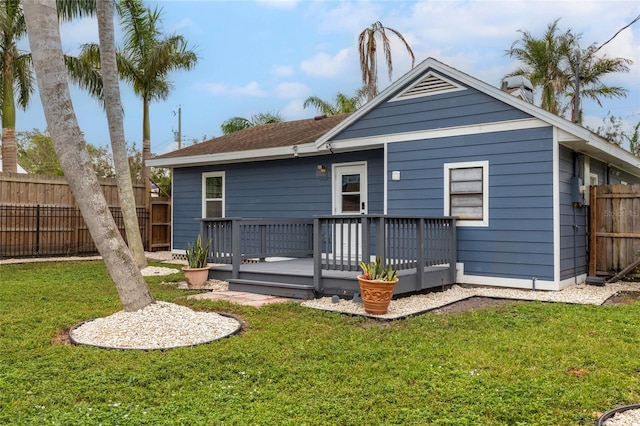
{"type": "Point", "coordinates": [265, 141]}
{"type": "Point", "coordinates": [314, 136]}
{"type": "Point", "coordinates": [570, 134]}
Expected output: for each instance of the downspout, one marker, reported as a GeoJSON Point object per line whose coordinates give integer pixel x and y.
{"type": "Point", "coordinates": [576, 173]}
{"type": "Point", "coordinates": [575, 253]}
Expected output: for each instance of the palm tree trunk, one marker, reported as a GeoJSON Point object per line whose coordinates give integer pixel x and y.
{"type": "Point", "coordinates": [146, 153]}
{"type": "Point", "coordinates": [46, 50]}
{"type": "Point", "coordinates": [9, 150]}
{"type": "Point", "coordinates": [113, 106]}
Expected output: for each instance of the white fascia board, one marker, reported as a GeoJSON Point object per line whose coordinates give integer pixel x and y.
{"type": "Point", "coordinates": [602, 150]}
{"type": "Point", "coordinates": [381, 140]}
{"type": "Point", "coordinates": [304, 150]}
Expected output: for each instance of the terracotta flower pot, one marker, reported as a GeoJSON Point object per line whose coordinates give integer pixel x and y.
{"type": "Point", "coordinates": [196, 277]}
{"type": "Point", "coordinates": [376, 295]}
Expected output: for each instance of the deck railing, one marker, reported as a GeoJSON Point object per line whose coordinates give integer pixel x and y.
{"type": "Point", "coordinates": [341, 242]}
{"type": "Point", "coordinates": [337, 243]}
{"type": "Point", "coordinates": [235, 240]}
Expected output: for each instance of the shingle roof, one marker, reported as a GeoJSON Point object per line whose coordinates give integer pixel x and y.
{"type": "Point", "coordinates": [287, 133]}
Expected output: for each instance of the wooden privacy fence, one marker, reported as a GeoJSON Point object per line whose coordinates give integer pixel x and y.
{"type": "Point", "coordinates": [38, 215]}
{"type": "Point", "coordinates": [52, 230]}
{"type": "Point", "coordinates": [614, 237]}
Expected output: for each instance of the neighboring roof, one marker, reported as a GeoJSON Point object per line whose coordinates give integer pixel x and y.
{"type": "Point", "coordinates": [253, 141]}
{"type": "Point", "coordinates": [20, 169]}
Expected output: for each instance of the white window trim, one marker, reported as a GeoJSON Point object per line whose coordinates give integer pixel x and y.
{"type": "Point", "coordinates": [485, 192]}
{"type": "Point", "coordinates": [204, 191]}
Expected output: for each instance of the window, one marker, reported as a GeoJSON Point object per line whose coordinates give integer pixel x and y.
{"type": "Point", "coordinates": [213, 194]}
{"type": "Point", "coordinates": [466, 192]}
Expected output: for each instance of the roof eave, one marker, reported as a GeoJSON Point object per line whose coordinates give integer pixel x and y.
{"type": "Point", "coordinates": [236, 156]}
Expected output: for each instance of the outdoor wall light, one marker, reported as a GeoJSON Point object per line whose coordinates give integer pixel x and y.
{"type": "Point", "coordinates": [330, 147]}
{"type": "Point", "coordinates": [321, 170]}
{"type": "Point", "coordinates": [295, 151]}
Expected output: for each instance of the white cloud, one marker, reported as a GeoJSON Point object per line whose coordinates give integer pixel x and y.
{"type": "Point", "coordinates": [185, 23]}
{"type": "Point", "coordinates": [251, 89]}
{"type": "Point", "coordinates": [324, 65]}
{"type": "Point", "coordinates": [291, 90]}
{"type": "Point", "coordinates": [279, 4]}
{"type": "Point", "coordinates": [294, 110]}
{"type": "Point", "coordinates": [282, 70]}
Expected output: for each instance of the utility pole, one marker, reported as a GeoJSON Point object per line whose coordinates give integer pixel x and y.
{"type": "Point", "coordinates": [178, 135]}
{"type": "Point", "coordinates": [576, 95]}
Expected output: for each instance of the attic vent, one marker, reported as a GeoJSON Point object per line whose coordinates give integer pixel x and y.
{"type": "Point", "coordinates": [430, 84]}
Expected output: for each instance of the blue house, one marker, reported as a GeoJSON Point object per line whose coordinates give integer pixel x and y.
{"type": "Point", "coordinates": [447, 177]}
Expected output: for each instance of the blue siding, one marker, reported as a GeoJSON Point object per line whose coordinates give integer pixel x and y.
{"type": "Point", "coordinates": [617, 176]}
{"type": "Point", "coordinates": [599, 168]}
{"type": "Point", "coordinates": [460, 108]}
{"type": "Point", "coordinates": [269, 189]}
{"type": "Point", "coordinates": [518, 243]}
{"type": "Point", "coordinates": [574, 257]}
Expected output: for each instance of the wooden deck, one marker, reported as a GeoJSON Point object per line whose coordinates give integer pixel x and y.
{"type": "Point", "coordinates": [295, 278]}
{"type": "Point", "coordinates": [308, 258]}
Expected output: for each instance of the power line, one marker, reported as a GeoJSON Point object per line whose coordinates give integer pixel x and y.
{"type": "Point", "coordinates": [619, 31]}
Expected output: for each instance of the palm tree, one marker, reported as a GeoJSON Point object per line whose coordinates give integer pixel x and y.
{"type": "Point", "coordinates": [343, 103]}
{"type": "Point", "coordinates": [544, 63]}
{"type": "Point", "coordinates": [551, 63]}
{"type": "Point", "coordinates": [144, 61]}
{"type": "Point", "coordinates": [112, 102]}
{"type": "Point", "coordinates": [46, 48]}
{"type": "Point", "coordinates": [239, 123]}
{"type": "Point", "coordinates": [586, 71]}
{"type": "Point", "coordinates": [16, 72]}
{"type": "Point", "coordinates": [16, 68]}
{"type": "Point", "coordinates": [368, 60]}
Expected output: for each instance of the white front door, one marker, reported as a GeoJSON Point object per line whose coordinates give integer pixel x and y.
{"type": "Point", "coordinates": [349, 198]}
{"type": "Point", "coordinates": [350, 188]}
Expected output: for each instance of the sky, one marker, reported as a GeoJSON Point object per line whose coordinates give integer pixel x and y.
{"type": "Point", "coordinates": [270, 56]}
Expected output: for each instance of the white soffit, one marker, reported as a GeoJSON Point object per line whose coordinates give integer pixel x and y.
{"type": "Point", "coordinates": [431, 84]}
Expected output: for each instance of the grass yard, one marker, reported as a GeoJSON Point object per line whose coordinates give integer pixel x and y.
{"type": "Point", "coordinates": [521, 364]}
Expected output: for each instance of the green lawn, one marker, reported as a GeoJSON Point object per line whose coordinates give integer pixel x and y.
{"type": "Point", "coordinates": [521, 364]}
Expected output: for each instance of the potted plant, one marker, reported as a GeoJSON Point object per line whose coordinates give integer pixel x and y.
{"type": "Point", "coordinates": [197, 272]}
{"type": "Point", "coordinates": [376, 286]}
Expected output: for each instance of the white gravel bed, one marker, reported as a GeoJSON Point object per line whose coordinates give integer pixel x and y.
{"type": "Point", "coordinates": [624, 418]}
{"type": "Point", "coordinates": [581, 294]}
{"type": "Point", "coordinates": [161, 325]}
{"type": "Point", "coordinates": [154, 271]}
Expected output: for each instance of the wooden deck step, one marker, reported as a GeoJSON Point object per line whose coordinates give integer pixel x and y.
{"type": "Point", "coordinates": [294, 291]}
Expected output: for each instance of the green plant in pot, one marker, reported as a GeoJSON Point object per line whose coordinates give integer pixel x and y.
{"type": "Point", "coordinates": [377, 283]}
{"type": "Point", "coordinates": [197, 272]}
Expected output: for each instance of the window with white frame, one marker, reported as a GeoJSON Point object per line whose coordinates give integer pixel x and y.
{"type": "Point", "coordinates": [213, 194]}
{"type": "Point", "coordinates": [466, 192]}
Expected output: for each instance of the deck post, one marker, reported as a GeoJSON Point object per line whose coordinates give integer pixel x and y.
{"type": "Point", "coordinates": [380, 239]}
{"type": "Point", "coordinates": [235, 249]}
{"type": "Point", "coordinates": [453, 250]}
{"type": "Point", "coordinates": [317, 254]}
{"type": "Point", "coordinates": [420, 255]}
{"type": "Point", "coordinates": [204, 236]}
{"type": "Point", "coordinates": [263, 241]}
{"type": "Point", "coordinates": [366, 240]}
